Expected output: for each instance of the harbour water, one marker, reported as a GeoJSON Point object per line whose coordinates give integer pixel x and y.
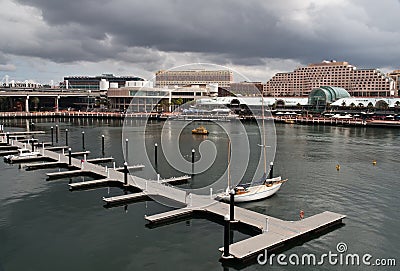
{"type": "Point", "coordinates": [43, 226]}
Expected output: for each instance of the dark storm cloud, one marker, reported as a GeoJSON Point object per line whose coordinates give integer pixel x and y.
{"type": "Point", "coordinates": [238, 32]}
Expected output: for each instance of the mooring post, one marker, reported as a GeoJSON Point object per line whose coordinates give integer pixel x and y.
{"type": "Point", "coordinates": [114, 165]}
{"type": "Point", "coordinates": [126, 149]}
{"type": "Point", "coordinates": [83, 140]}
{"type": "Point", "coordinates": [66, 137]}
{"type": "Point", "coordinates": [52, 135]}
{"type": "Point", "coordinates": [69, 156]}
{"type": "Point", "coordinates": [56, 133]}
{"type": "Point", "coordinates": [227, 230]}
{"type": "Point", "coordinates": [8, 138]}
{"type": "Point", "coordinates": [43, 148]}
{"type": "Point", "coordinates": [266, 225]}
{"type": "Point", "coordinates": [33, 145]}
{"type": "Point", "coordinates": [232, 205]}
{"type": "Point", "coordinates": [126, 173]}
{"type": "Point", "coordinates": [271, 170]}
{"type": "Point", "coordinates": [102, 145]}
{"type": "Point", "coordinates": [211, 193]}
{"type": "Point", "coordinates": [84, 157]}
{"type": "Point", "coordinates": [158, 178]}
{"type": "Point", "coordinates": [155, 153]}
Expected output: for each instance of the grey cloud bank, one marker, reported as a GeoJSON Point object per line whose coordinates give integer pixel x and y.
{"type": "Point", "coordinates": [140, 37]}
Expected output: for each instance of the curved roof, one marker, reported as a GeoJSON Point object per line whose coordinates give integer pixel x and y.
{"type": "Point", "coordinates": [331, 94]}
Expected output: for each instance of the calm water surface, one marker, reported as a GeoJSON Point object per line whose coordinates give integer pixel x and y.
{"type": "Point", "coordinates": [43, 226]}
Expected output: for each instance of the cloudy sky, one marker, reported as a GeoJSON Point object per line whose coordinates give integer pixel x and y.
{"type": "Point", "coordinates": [44, 40]}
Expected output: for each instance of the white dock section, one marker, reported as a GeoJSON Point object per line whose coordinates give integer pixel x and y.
{"type": "Point", "coordinates": [134, 167]}
{"type": "Point", "coordinates": [125, 198]}
{"type": "Point", "coordinates": [168, 216]}
{"type": "Point", "coordinates": [57, 148]}
{"type": "Point", "coordinates": [89, 184]}
{"type": "Point", "coordinates": [100, 160]}
{"type": "Point", "coordinates": [174, 180]}
{"type": "Point", "coordinates": [66, 174]}
{"type": "Point", "coordinates": [280, 232]}
{"type": "Point", "coordinates": [44, 165]}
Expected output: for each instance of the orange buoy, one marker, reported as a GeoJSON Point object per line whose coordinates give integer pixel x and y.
{"type": "Point", "coordinates": [337, 167]}
{"type": "Point", "coordinates": [374, 162]}
{"type": "Point", "coordinates": [301, 214]}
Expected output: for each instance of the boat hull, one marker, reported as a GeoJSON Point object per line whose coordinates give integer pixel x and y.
{"type": "Point", "coordinates": [257, 192]}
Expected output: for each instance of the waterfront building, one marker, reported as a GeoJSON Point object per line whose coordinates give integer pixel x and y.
{"type": "Point", "coordinates": [367, 103]}
{"type": "Point", "coordinates": [395, 75]}
{"type": "Point", "coordinates": [246, 88]}
{"type": "Point", "coordinates": [194, 77]}
{"type": "Point", "coordinates": [250, 102]}
{"type": "Point", "coordinates": [101, 82]}
{"type": "Point", "coordinates": [358, 82]}
{"type": "Point", "coordinates": [149, 99]}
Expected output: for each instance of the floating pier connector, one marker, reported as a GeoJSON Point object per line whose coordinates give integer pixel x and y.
{"type": "Point", "coordinates": [271, 170]}
{"type": "Point", "coordinates": [66, 137]}
{"type": "Point", "coordinates": [374, 162]}
{"type": "Point", "coordinates": [337, 167]}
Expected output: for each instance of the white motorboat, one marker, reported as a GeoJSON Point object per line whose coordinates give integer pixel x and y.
{"type": "Point", "coordinates": [22, 154]}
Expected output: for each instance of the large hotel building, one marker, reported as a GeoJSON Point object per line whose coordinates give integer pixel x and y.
{"type": "Point", "coordinates": [193, 77]}
{"type": "Point", "coordinates": [358, 82]}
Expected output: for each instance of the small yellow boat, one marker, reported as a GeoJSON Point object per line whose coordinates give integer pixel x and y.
{"type": "Point", "coordinates": [289, 121]}
{"type": "Point", "coordinates": [200, 131]}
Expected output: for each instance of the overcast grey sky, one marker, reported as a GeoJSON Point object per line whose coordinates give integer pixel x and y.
{"type": "Point", "coordinates": [47, 39]}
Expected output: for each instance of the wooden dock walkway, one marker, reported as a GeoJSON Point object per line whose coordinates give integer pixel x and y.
{"type": "Point", "coordinates": [273, 232]}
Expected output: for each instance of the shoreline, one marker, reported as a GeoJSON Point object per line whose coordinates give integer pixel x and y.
{"type": "Point", "coordinates": [156, 116]}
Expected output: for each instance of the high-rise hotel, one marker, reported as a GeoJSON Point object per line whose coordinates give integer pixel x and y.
{"type": "Point", "coordinates": [194, 77]}
{"type": "Point", "coordinates": [358, 82]}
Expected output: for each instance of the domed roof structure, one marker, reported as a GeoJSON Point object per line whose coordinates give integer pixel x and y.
{"type": "Point", "coordinates": [326, 95]}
